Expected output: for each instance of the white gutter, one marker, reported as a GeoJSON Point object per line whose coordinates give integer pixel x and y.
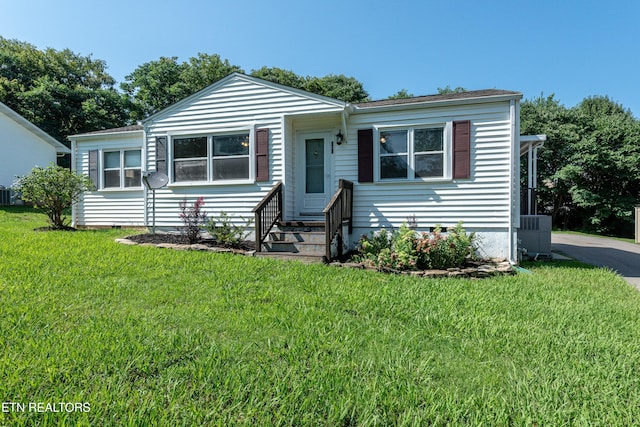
{"type": "Point", "coordinates": [145, 191]}
{"type": "Point", "coordinates": [74, 210]}
{"type": "Point", "coordinates": [514, 179]}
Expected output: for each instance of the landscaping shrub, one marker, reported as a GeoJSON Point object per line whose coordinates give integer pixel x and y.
{"type": "Point", "coordinates": [53, 189]}
{"type": "Point", "coordinates": [438, 251]}
{"type": "Point", "coordinates": [193, 218]}
{"type": "Point", "coordinates": [406, 249]}
{"type": "Point", "coordinates": [224, 231]}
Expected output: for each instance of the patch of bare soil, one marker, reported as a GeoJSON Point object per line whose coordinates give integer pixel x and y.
{"type": "Point", "coordinates": [65, 228]}
{"type": "Point", "coordinates": [178, 239]}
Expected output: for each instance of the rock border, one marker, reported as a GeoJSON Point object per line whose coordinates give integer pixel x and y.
{"type": "Point", "coordinates": [484, 269]}
{"type": "Point", "coordinates": [487, 268]}
{"type": "Point", "coordinates": [186, 247]}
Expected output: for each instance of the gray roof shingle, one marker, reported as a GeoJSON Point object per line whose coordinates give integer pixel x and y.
{"type": "Point", "coordinates": [484, 93]}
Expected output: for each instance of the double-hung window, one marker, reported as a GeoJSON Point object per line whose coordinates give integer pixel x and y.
{"type": "Point", "coordinates": [190, 159]}
{"type": "Point", "coordinates": [122, 169]}
{"type": "Point", "coordinates": [223, 157]}
{"type": "Point", "coordinates": [412, 154]}
{"type": "Point", "coordinates": [230, 157]}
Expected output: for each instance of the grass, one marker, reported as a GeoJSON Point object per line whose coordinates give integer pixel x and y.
{"type": "Point", "coordinates": [148, 336]}
{"type": "Point", "coordinates": [580, 233]}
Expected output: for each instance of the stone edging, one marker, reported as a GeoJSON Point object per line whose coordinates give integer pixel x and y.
{"type": "Point", "coordinates": [180, 247]}
{"type": "Point", "coordinates": [489, 269]}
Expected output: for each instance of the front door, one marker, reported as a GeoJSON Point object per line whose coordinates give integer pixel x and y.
{"type": "Point", "coordinates": [313, 175]}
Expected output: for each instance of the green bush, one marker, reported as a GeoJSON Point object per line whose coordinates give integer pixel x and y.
{"type": "Point", "coordinates": [224, 231]}
{"type": "Point", "coordinates": [53, 189]}
{"type": "Point", "coordinates": [435, 250]}
{"type": "Point", "coordinates": [405, 249]}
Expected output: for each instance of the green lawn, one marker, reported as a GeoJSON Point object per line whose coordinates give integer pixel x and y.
{"type": "Point", "coordinates": [622, 239]}
{"type": "Point", "coordinates": [149, 336]}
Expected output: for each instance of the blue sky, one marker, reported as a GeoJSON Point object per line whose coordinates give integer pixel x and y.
{"type": "Point", "coordinates": [572, 49]}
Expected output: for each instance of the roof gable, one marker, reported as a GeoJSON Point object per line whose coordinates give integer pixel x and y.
{"type": "Point", "coordinates": [36, 131]}
{"type": "Point", "coordinates": [238, 78]}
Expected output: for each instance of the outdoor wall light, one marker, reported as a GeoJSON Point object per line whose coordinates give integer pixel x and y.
{"type": "Point", "coordinates": [339, 138]}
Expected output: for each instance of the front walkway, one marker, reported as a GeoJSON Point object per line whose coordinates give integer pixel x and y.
{"type": "Point", "coordinates": [622, 257]}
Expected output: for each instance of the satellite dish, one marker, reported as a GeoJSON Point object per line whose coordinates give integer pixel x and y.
{"type": "Point", "coordinates": [155, 180]}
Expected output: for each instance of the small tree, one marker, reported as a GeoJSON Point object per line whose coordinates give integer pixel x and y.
{"type": "Point", "coordinates": [52, 189]}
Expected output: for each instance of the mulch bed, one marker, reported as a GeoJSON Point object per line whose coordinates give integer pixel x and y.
{"type": "Point", "coordinates": [177, 239]}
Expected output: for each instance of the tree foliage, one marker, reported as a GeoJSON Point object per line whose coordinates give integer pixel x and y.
{"type": "Point", "coordinates": [589, 168]}
{"type": "Point", "coordinates": [447, 89]}
{"type": "Point", "coordinates": [401, 94]}
{"type": "Point", "coordinates": [53, 189]}
{"type": "Point", "coordinates": [280, 76]}
{"type": "Point", "coordinates": [61, 92]}
{"type": "Point", "coordinates": [341, 87]}
{"type": "Point", "coordinates": [158, 84]}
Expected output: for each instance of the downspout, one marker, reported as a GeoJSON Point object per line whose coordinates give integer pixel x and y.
{"type": "Point", "coordinates": [514, 200]}
{"type": "Point", "coordinates": [74, 209]}
{"type": "Point", "coordinates": [343, 115]}
{"type": "Point", "coordinates": [145, 191]}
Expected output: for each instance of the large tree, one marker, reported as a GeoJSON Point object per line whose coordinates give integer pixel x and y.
{"type": "Point", "coordinates": [340, 87]}
{"type": "Point", "coordinates": [589, 168]}
{"type": "Point", "coordinates": [157, 84]}
{"type": "Point", "coordinates": [280, 76]}
{"type": "Point", "coordinates": [545, 115]}
{"type": "Point", "coordinates": [604, 167]}
{"type": "Point", "coordinates": [61, 92]}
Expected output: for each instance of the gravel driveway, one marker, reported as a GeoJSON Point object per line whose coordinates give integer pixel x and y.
{"type": "Point", "coordinates": [620, 256]}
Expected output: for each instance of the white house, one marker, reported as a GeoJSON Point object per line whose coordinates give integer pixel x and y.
{"type": "Point", "coordinates": [313, 160]}
{"type": "Point", "coordinates": [23, 146]}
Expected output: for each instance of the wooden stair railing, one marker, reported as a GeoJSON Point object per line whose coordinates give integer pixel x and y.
{"type": "Point", "coordinates": [338, 211]}
{"type": "Point", "coordinates": [267, 213]}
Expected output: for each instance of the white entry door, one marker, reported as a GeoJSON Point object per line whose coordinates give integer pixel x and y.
{"type": "Point", "coordinates": [314, 177]}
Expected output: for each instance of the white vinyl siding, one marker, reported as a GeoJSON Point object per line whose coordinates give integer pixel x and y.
{"type": "Point", "coordinates": [22, 150]}
{"type": "Point", "coordinates": [482, 202]}
{"type": "Point", "coordinates": [110, 206]}
{"type": "Point", "coordinates": [242, 105]}
{"type": "Point", "coordinates": [235, 106]}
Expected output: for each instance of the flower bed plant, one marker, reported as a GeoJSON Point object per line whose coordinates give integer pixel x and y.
{"type": "Point", "coordinates": [407, 249]}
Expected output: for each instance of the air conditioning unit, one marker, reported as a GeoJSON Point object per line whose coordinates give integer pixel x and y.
{"type": "Point", "coordinates": [6, 196]}
{"type": "Point", "coordinates": [534, 234]}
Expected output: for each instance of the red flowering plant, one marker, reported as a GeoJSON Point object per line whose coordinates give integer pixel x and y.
{"type": "Point", "coordinates": [193, 218]}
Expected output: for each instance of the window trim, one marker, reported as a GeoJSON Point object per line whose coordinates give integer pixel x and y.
{"type": "Point", "coordinates": [121, 168]}
{"type": "Point", "coordinates": [249, 130]}
{"type": "Point", "coordinates": [447, 147]}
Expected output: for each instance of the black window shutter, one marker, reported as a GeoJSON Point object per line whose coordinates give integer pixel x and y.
{"type": "Point", "coordinates": [365, 155]}
{"type": "Point", "coordinates": [161, 154]}
{"type": "Point", "coordinates": [262, 155]}
{"type": "Point", "coordinates": [93, 167]}
{"type": "Point", "coordinates": [462, 149]}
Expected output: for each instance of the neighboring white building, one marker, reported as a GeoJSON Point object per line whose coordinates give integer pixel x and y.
{"type": "Point", "coordinates": [441, 159]}
{"type": "Point", "coordinates": [23, 146]}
